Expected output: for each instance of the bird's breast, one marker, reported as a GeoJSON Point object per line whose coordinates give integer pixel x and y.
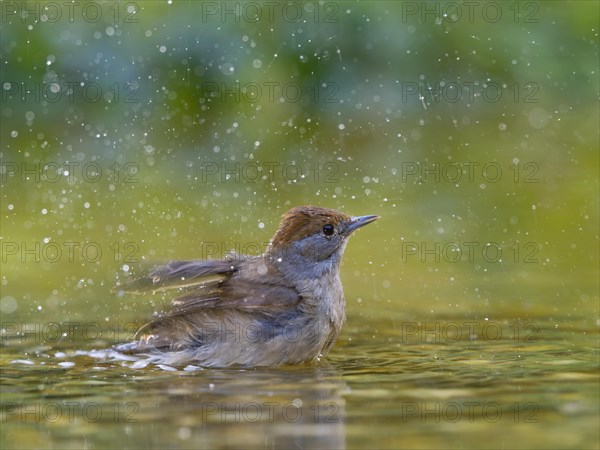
{"type": "Point", "coordinates": [323, 299]}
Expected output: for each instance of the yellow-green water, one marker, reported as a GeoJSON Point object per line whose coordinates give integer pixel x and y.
{"type": "Point", "coordinates": [140, 136]}
{"type": "Point", "coordinates": [388, 384]}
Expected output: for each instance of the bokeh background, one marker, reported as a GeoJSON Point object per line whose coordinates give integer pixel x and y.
{"type": "Point", "coordinates": [134, 133]}
{"type": "Point", "coordinates": [192, 122]}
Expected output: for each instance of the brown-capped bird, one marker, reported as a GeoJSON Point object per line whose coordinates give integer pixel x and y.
{"type": "Point", "coordinates": [285, 306]}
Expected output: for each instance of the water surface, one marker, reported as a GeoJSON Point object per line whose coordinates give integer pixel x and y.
{"type": "Point", "coordinates": [410, 385]}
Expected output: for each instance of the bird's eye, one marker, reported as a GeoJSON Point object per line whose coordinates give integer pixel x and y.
{"type": "Point", "coordinates": [328, 230]}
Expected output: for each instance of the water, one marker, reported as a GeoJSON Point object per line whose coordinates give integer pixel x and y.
{"type": "Point", "coordinates": [387, 384]}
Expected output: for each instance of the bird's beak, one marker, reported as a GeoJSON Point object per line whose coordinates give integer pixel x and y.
{"type": "Point", "coordinates": [360, 221]}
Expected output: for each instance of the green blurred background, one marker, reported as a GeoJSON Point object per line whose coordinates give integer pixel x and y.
{"type": "Point", "coordinates": [174, 130]}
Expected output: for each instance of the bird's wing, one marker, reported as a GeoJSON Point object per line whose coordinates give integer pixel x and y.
{"type": "Point", "coordinates": [209, 304]}
{"type": "Point", "coordinates": [181, 274]}
{"type": "Point", "coordinates": [240, 294]}
{"type": "Point", "coordinates": [212, 288]}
